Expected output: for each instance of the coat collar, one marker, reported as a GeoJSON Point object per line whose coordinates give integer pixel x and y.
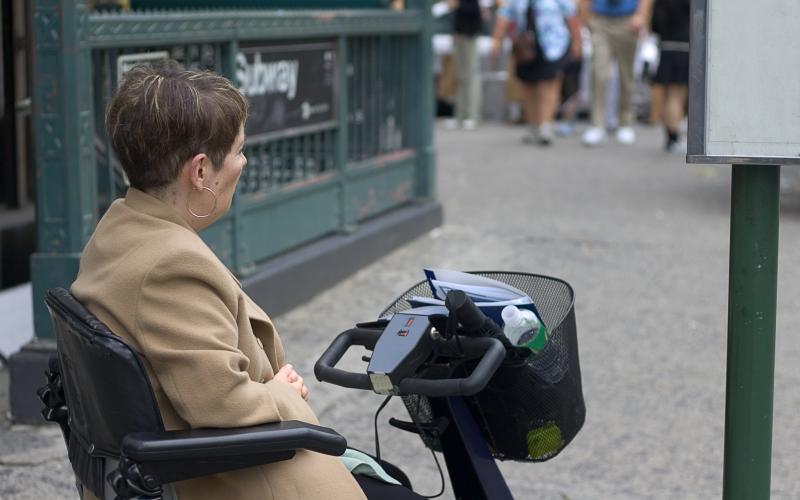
{"type": "Point", "coordinates": [147, 204]}
{"type": "Point", "coordinates": [150, 205]}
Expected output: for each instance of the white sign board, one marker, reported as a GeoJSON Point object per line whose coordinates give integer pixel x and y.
{"type": "Point", "coordinates": [126, 62]}
{"type": "Point", "coordinates": [744, 82]}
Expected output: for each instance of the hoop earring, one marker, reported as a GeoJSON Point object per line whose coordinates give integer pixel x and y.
{"type": "Point", "coordinates": [189, 209]}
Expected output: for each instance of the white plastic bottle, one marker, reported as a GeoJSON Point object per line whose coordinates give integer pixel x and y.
{"type": "Point", "coordinates": [523, 328]}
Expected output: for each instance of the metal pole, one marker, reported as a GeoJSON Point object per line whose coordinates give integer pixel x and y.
{"type": "Point", "coordinates": [348, 219]}
{"type": "Point", "coordinates": [63, 121]}
{"type": "Point", "coordinates": [751, 331]}
{"type": "Point", "coordinates": [423, 97]}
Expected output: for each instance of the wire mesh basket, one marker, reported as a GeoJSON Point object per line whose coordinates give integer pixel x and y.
{"type": "Point", "coordinates": [533, 407]}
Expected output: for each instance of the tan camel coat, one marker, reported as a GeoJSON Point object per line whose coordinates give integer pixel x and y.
{"type": "Point", "coordinates": [210, 352]}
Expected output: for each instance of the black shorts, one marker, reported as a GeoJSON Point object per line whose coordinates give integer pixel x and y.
{"type": "Point", "coordinates": [540, 69]}
{"type": "Point", "coordinates": [673, 68]}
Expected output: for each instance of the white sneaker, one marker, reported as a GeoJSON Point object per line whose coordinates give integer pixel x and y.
{"type": "Point", "coordinates": [451, 124]}
{"type": "Point", "coordinates": [593, 136]}
{"type": "Point", "coordinates": [626, 135]}
{"type": "Point", "coordinates": [469, 125]}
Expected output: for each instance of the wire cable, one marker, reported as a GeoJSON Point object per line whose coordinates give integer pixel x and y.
{"type": "Point", "coordinates": [377, 440]}
{"type": "Point", "coordinates": [419, 429]}
{"type": "Point", "coordinates": [435, 459]}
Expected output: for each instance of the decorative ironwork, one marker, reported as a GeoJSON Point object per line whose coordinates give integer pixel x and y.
{"type": "Point", "coordinates": [280, 162]}
{"type": "Point", "coordinates": [378, 100]}
{"type": "Point", "coordinates": [51, 145]}
{"type": "Point", "coordinates": [147, 28]}
{"type": "Point", "coordinates": [48, 27]}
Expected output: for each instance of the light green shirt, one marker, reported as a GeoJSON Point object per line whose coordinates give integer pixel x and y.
{"type": "Point", "coordinates": [363, 464]}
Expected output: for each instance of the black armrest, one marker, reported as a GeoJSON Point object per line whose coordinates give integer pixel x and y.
{"type": "Point", "coordinates": [151, 459]}
{"type": "Point", "coordinates": [214, 443]}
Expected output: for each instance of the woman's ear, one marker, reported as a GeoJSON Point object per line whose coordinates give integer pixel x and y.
{"type": "Point", "coordinates": [197, 171]}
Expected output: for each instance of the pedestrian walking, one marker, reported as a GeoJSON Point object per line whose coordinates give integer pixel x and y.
{"type": "Point", "coordinates": [615, 26]}
{"type": "Point", "coordinates": [671, 23]}
{"type": "Point", "coordinates": [467, 25]}
{"type": "Point", "coordinates": [545, 35]}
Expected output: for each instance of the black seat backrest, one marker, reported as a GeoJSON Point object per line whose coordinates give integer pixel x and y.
{"type": "Point", "coordinates": [106, 388]}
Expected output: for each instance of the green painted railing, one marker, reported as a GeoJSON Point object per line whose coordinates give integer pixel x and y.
{"type": "Point", "coordinates": [298, 186]}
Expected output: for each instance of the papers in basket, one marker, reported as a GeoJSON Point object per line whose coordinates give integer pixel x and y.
{"type": "Point", "coordinates": [490, 295]}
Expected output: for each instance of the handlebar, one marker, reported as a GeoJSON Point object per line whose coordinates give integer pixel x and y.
{"type": "Point", "coordinates": [491, 351]}
{"type": "Point", "coordinates": [493, 354]}
{"type": "Point", "coordinates": [324, 368]}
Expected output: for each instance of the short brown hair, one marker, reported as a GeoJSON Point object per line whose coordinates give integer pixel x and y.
{"type": "Point", "coordinates": [162, 115]}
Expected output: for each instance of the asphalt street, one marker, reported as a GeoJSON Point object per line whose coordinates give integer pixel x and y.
{"type": "Point", "coordinates": [643, 240]}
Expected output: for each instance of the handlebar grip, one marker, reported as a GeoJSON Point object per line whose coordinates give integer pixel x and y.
{"type": "Point", "coordinates": [493, 356]}
{"type": "Point", "coordinates": [468, 314]}
{"type": "Point", "coordinates": [324, 367]}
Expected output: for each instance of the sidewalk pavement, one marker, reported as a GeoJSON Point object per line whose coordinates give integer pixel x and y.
{"type": "Point", "coordinates": [642, 238]}
{"type": "Point", "coordinates": [17, 309]}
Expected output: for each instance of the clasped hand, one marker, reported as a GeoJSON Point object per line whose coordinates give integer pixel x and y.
{"type": "Point", "coordinates": [288, 376]}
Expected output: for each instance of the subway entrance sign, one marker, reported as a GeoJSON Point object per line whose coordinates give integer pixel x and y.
{"type": "Point", "coordinates": [289, 87]}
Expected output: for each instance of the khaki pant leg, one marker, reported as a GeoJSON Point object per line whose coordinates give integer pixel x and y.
{"type": "Point", "coordinates": [468, 93]}
{"type": "Point", "coordinates": [601, 68]}
{"type": "Point", "coordinates": [623, 48]}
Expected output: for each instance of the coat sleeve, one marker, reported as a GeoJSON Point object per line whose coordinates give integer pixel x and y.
{"type": "Point", "coordinates": [186, 326]}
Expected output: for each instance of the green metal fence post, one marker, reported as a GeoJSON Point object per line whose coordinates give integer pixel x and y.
{"type": "Point", "coordinates": [751, 331]}
{"type": "Point", "coordinates": [347, 217]}
{"type": "Point", "coordinates": [423, 96]}
{"type": "Point", "coordinates": [66, 202]}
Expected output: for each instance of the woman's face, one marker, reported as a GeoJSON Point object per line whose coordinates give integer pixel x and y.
{"type": "Point", "coordinates": [224, 180]}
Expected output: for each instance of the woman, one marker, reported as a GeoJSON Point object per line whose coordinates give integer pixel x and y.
{"type": "Point", "coordinates": [558, 39]}
{"type": "Point", "coordinates": [671, 23]}
{"type": "Point", "coordinates": [212, 355]}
